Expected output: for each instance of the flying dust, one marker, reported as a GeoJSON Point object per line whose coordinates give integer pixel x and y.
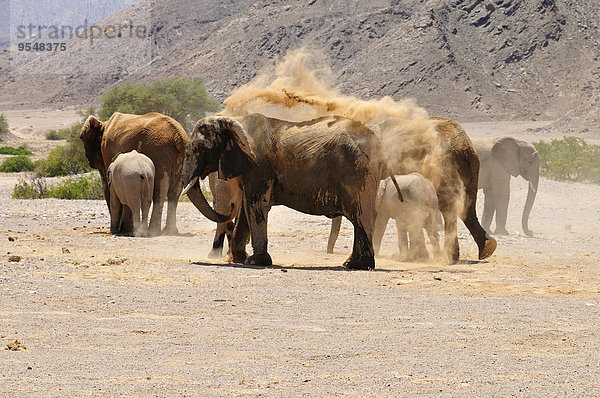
{"type": "Point", "coordinates": [299, 88]}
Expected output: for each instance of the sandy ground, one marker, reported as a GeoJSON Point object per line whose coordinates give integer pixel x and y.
{"type": "Point", "coordinates": [106, 316]}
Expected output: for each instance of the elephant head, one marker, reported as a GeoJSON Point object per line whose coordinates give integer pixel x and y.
{"type": "Point", "coordinates": [91, 135]}
{"type": "Point", "coordinates": [217, 144]}
{"type": "Point", "coordinates": [520, 158]}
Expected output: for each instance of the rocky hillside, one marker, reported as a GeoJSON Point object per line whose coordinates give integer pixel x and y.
{"type": "Point", "coordinates": [475, 59]}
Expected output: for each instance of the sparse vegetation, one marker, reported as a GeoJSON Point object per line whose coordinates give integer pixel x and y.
{"type": "Point", "coordinates": [8, 150]}
{"type": "Point", "coordinates": [185, 100]}
{"type": "Point", "coordinates": [17, 164]}
{"type": "Point", "coordinates": [570, 158]}
{"type": "Point", "coordinates": [4, 129]}
{"type": "Point", "coordinates": [61, 134]}
{"type": "Point", "coordinates": [88, 186]}
{"type": "Point", "coordinates": [70, 158]}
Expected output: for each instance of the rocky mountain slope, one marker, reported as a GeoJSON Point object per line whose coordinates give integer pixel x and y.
{"type": "Point", "coordinates": [472, 59]}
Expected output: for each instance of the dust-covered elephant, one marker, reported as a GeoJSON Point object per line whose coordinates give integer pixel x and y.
{"type": "Point", "coordinates": [328, 166]}
{"type": "Point", "coordinates": [451, 163]}
{"type": "Point", "coordinates": [417, 211]}
{"type": "Point", "coordinates": [159, 137]}
{"type": "Point", "coordinates": [502, 158]}
{"type": "Point", "coordinates": [131, 184]}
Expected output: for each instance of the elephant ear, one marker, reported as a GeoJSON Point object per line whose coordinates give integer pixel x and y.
{"type": "Point", "coordinates": [91, 135]}
{"type": "Point", "coordinates": [506, 152]}
{"type": "Point", "coordinates": [236, 157]}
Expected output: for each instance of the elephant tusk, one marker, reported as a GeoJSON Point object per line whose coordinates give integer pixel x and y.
{"type": "Point", "coordinates": [532, 187]}
{"type": "Point", "coordinates": [189, 186]}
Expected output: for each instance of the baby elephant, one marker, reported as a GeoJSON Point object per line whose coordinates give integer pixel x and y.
{"type": "Point", "coordinates": [131, 184]}
{"type": "Point", "coordinates": [418, 210]}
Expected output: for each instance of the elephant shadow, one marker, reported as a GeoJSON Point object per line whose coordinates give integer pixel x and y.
{"type": "Point", "coordinates": [283, 268]}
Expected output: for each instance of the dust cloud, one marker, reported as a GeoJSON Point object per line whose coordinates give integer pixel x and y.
{"type": "Point", "coordinates": [299, 87]}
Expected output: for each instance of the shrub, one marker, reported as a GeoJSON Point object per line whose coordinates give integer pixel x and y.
{"type": "Point", "coordinates": [570, 158]}
{"type": "Point", "coordinates": [7, 150]}
{"type": "Point", "coordinates": [17, 164]}
{"type": "Point", "coordinates": [64, 160]}
{"type": "Point", "coordinates": [185, 100]}
{"type": "Point", "coordinates": [88, 186]}
{"type": "Point", "coordinates": [55, 135]}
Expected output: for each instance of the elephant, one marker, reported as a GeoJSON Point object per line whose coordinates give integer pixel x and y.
{"type": "Point", "coordinates": [328, 166]}
{"type": "Point", "coordinates": [131, 184]}
{"type": "Point", "coordinates": [227, 197]}
{"type": "Point", "coordinates": [451, 163]}
{"type": "Point", "coordinates": [502, 158]}
{"type": "Point", "coordinates": [159, 137]}
{"type": "Point", "coordinates": [418, 209]}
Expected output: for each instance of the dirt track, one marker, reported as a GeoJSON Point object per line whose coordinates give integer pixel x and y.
{"type": "Point", "coordinates": [166, 321]}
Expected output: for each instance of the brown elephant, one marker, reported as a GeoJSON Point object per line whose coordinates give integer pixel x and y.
{"type": "Point", "coordinates": [227, 197]}
{"type": "Point", "coordinates": [328, 166]}
{"type": "Point", "coordinates": [157, 136]}
{"type": "Point", "coordinates": [451, 163]}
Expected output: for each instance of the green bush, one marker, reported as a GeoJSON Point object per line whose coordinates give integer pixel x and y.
{"type": "Point", "coordinates": [17, 164]}
{"type": "Point", "coordinates": [55, 135]}
{"type": "Point", "coordinates": [8, 150]}
{"type": "Point", "coordinates": [88, 187]}
{"type": "Point", "coordinates": [64, 160]}
{"type": "Point", "coordinates": [185, 100]}
{"type": "Point", "coordinates": [570, 158]}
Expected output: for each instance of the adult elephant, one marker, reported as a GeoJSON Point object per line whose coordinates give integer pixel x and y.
{"type": "Point", "coordinates": [157, 136]}
{"type": "Point", "coordinates": [449, 160]}
{"type": "Point", "coordinates": [328, 166]}
{"type": "Point", "coordinates": [502, 158]}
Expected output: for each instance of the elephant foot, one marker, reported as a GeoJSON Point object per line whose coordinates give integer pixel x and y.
{"type": "Point", "coordinates": [170, 230]}
{"type": "Point", "coordinates": [501, 231]}
{"type": "Point", "coordinates": [262, 260]}
{"type": "Point", "coordinates": [419, 256]}
{"type": "Point", "coordinates": [216, 252]}
{"type": "Point", "coordinates": [238, 257]}
{"type": "Point", "coordinates": [329, 251]}
{"type": "Point", "coordinates": [153, 231]}
{"type": "Point", "coordinates": [488, 249]}
{"type": "Point", "coordinates": [360, 263]}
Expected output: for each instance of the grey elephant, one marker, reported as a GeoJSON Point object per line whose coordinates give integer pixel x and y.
{"type": "Point", "coordinates": [328, 166]}
{"type": "Point", "coordinates": [419, 210]}
{"type": "Point", "coordinates": [501, 158]}
{"type": "Point", "coordinates": [131, 185]}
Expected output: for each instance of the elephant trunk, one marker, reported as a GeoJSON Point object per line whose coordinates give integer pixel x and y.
{"type": "Point", "coordinates": [531, 193]}
{"type": "Point", "coordinates": [197, 198]}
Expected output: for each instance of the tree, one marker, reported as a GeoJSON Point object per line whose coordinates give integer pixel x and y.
{"type": "Point", "coordinates": [185, 100]}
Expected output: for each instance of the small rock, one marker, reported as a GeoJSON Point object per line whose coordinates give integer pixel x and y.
{"type": "Point", "coordinates": [65, 250]}
{"type": "Point", "coordinates": [115, 261]}
{"type": "Point", "coordinates": [14, 259]}
{"type": "Point", "coordinates": [12, 239]}
{"type": "Point", "coordinates": [15, 346]}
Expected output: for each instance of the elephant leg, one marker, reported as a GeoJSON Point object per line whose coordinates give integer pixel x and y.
{"type": "Point", "coordinates": [138, 229]}
{"type": "Point", "coordinates": [363, 256]}
{"type": "Point", "coordinates": [451, 250]}
{"type": "Point", "coordinates": [258, 206]}
{"type": "Point", "coordinates": [432, 233]}
{"type": "Point", "coordinates": [489, 207]}
{"type": "Point", "coordinates": [502, 198]}
{"type": "Point", "coordinates": [240, 237]}
{"type": "Point", "coordinates": [402, 240]}
{"type": "Point", "coordinates": [380, 223]}
{"type": "Point", "coordinates": [145, 211]}
{"type": "Point", "coordinates": [336, 223]}
{"type": "Point", "coordinates": [158, 199]}
{"type": "Point", "coordinates": [173, 194]}
{"type": "Point", "coordinates": [126, 220]}
{"type": "Point", "coordinates": [417, 250]}
{"type": "Point", "coordinates": [115, 214]}
{"type": "Point", "coordinates": [217, 247]}
{"type": "Point", "coordinates": [485, 243]}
